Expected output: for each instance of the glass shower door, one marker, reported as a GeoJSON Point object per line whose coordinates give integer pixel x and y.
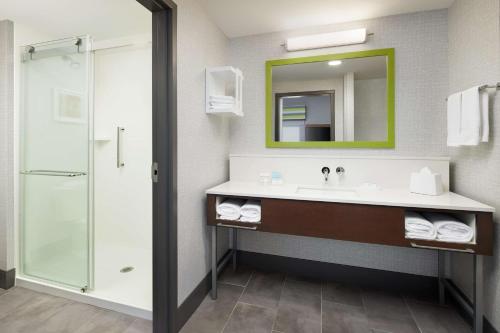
{"type": "Point", "coordinates": [56, 151]}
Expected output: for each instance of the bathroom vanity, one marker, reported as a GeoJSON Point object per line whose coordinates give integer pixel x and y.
{"type": "Point", "coordinates": [341, 209]}
{"type": "Point", "coordinates": [375, 217]}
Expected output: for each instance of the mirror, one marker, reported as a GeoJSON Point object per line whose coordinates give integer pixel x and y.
{"type": "Point", "coordinates": [340, 100]}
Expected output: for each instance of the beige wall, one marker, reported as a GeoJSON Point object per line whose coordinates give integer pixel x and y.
{"type": "Point", "coordinates": [474, 59]}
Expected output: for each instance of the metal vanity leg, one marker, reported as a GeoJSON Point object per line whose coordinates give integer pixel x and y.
{"type": "Point", "coordinates": [478, 294]}
{"type": "Point", "coordinates": [235, 247]}
{"type": "Point", "coordinates": [441, 275]}
{"type": "Point", "coordinates": [214, 263]}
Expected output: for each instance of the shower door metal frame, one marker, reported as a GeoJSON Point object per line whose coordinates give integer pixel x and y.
{"type": "Point", "coordinates": [165, 309]}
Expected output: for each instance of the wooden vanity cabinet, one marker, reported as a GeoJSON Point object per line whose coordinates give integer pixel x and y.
{"type": "Point", "coordinates": [352, 222]}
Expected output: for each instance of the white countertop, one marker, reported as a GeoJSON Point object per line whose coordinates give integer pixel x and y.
{"type": "Point", "coordinates": [399, 197]}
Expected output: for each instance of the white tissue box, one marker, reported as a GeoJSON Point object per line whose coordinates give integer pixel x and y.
{"type": "Point", "coordinates": [426, 182]}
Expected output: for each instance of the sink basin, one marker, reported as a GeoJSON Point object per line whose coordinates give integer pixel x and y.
{"type": "Point", "coordinates": [336, 192]}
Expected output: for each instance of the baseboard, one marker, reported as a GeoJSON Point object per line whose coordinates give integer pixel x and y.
{"type": "Point", "coordinates": [7, 278]}
{"type": "Point", "coordinates": [193, 301]}
{"type": "Point", "coordinates": [363, 277]}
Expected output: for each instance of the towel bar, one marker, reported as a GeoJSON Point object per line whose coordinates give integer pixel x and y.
{"type": "Point", "coordinates": [235, 226]}
{"type": "Point", "coordinates": [440, 248]}
{"type": "Point", "coordinates": [487, 86]}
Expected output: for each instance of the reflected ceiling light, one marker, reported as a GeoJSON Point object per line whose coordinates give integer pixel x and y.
{"type": "Point", "coordinates": [330, 39]}
{"type": "Point", "coordinates": [334, 63]}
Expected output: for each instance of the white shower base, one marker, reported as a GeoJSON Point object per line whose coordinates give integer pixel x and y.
{"type": "Point", "coordinates": [134, 288]}
{"type": "Point", "coordinates": [130, 293]}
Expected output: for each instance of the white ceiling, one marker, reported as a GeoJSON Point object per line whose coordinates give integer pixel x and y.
{"type": "Point", "coordinates": [243, 17]}
{"type": "Point", "coordinates": [102, 19]}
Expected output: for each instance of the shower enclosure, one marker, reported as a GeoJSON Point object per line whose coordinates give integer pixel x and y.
{"type": "Point", "coordinates": [56, 234]}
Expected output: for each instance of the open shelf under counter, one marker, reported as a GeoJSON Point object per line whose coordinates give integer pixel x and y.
{"type": "Point", "coordinates": [215, 219]}
{"type": "Point", "coordinates": [481, 222]}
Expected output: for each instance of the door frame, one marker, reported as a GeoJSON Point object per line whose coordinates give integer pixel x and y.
{"type": "Point", "coordinates": [164, 26]}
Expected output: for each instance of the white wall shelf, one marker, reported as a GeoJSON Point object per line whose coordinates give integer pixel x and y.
{"type": "Point", "coordinates": [224, 81]}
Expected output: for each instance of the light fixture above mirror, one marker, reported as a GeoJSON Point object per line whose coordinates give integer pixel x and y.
{"type": "Point", "coordinates": [329, 39]}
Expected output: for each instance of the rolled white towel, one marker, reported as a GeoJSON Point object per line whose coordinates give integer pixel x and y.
{"type": "Point", "coordinates": [222, 107]}
{"type": "Point", "coordinates": [230, 209]}
{"type": "Point", "coordinates": [229, 217]}
{"type": "Point", "coordinates": [250, 219]}
{"type": "Point", "coordinates": [449, 229]}
{"type": "Point", "coordinates": [418, 227]}
{"type": "Point", "coordinates": [251, 209]}
{"type": "Point", "coordinates": [222, 99]}
{"type": "Point", "coordinates": [221, 103]}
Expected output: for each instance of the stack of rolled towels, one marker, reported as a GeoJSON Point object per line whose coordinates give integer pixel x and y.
{"type": "Point", "coordinates": [221, 102]}
{"type": "Point", "coordinates": [437, 226]}
{"type": "Point", "coordinates": [240, 210]}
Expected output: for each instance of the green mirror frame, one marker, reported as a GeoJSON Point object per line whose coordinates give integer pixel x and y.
{"type": "Point", "coordinates": [389, 143]}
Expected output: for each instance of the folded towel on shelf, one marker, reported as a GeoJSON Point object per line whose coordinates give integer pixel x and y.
{"type": "Point", "coordinates": [251, 209]}
{"type": "Point", "coordinates": [221, 106]}
{"type": "Point", "coordinates": [250, 219]}
{"type": "Point", "coordinates": [449, 229]}
{"type": "Point", "coordinates": [221, 102]}
{"type": "Point", "coordinates": [222, 99]}
{"type": "Point", "coordinates": [230, 209]}
{"type": "Point", "coordinates": [470, 118]}
{"type": "Point", "coordinates": [418, 227]}
{"type": "Point", "coordinates": [229, 217]}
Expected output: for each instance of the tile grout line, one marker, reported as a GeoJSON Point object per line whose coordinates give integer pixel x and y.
{"type": "Point", "coordinates": [236, 304]}
{"type": "Point", "coordinates": [279, 301]}
{"type": "Point", "coordinates": [412, 315]}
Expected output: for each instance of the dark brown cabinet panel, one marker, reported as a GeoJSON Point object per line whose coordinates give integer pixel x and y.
{"type": "Point", "coordinates": [358, 223]}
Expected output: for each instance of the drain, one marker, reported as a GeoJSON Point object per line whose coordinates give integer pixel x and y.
{"type": "Point", "coordinates": [126, 269]}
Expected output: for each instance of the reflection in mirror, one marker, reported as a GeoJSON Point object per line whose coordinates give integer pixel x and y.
{"type": "Point", "coordinates": [336, 100]}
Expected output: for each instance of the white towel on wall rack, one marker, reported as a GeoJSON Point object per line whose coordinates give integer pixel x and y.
{"type": "Point", "coordinates": [485, 119]}
{"type": "Point", "coordinates": [468, 117]}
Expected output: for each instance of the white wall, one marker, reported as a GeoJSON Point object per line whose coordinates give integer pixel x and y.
{"type": "Point", "coordinates": [123, 196]}
{"type": "Point", "coordinates": [474, 59]}
{"type": "Point", "coordinates": [6, 145]}
{"type": "Point", "coordinates": [203, 141]}
{"type": "Point", "coordinates": [421, 48]}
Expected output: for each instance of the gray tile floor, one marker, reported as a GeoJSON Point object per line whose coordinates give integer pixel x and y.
{"type": "Point", "coordinates": [26, 311]}
{"type": "Point", "coordinates": [252, 301]}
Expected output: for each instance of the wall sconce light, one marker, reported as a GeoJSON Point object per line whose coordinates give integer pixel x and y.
{"type": "Point", "coordinates": [330, 39]}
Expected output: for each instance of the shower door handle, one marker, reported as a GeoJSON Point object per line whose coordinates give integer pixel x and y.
{"type": "Point", "coordinates": [119, 143]}
{"type": "Point", "coordinates": [54, 173]}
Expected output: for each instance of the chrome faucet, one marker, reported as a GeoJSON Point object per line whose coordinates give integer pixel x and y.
{"type": "Point", "coordinates": [326, 172]}
{"type": "Point", "coordinates": [340, 171]}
